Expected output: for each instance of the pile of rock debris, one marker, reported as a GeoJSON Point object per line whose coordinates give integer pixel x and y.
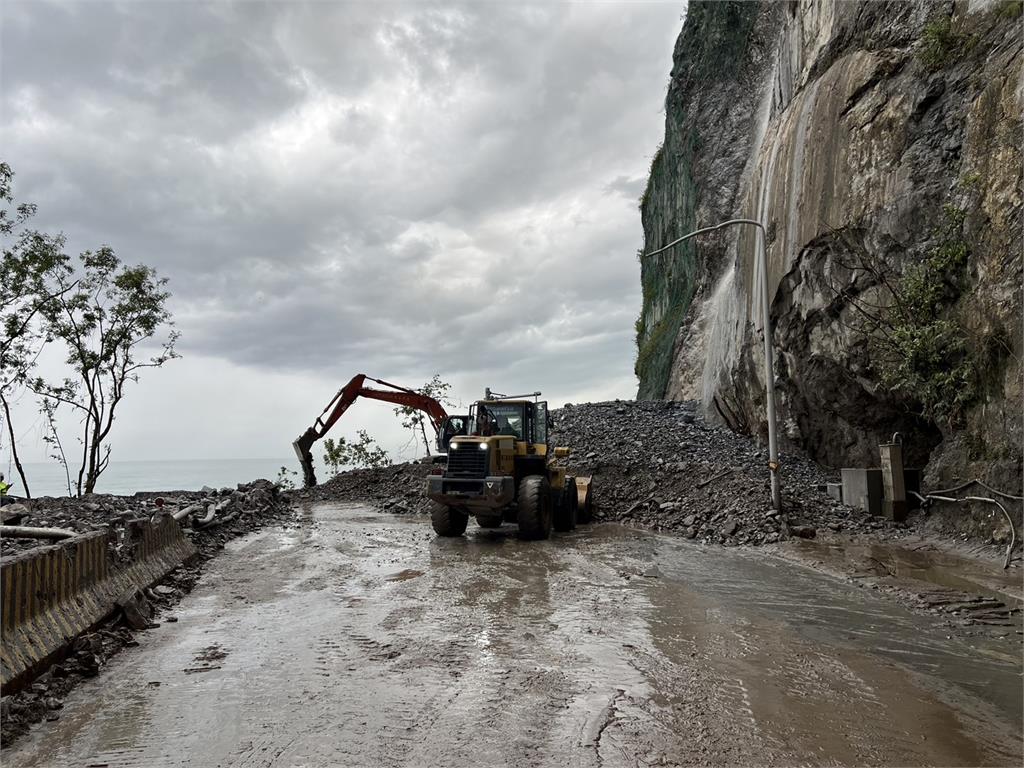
{"type": "Point", "coordinates": [660, 465]}
{"type": "Point", "coordinates": [656, 465]}
{"type": "Point", "coordinates": [211, 516]}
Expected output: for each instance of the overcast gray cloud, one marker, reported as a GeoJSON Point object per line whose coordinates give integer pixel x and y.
{"type": "Point", "coordinates": [340, 187]}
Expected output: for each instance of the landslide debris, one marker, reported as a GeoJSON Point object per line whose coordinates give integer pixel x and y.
{"type": "Point", "coordinates": [239, 510]}
{"type": "Point", "coordinates": [246, 508]}
{"type": "Point", "coordinates": [659, 465]}
{"type": "Point", "coordinates": [656, 465]}
{"type": "Point", "coordinates": [398, 488]}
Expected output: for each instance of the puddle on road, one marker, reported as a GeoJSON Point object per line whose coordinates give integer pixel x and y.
{"type": "Point", "coordinates": [806, 660]}
{"type": "Point", "coordinates": [928, 565]}
{"type": "Point", "coordinates": [801, 669]}
{"type": "Point", "coordinates": [828, 611]}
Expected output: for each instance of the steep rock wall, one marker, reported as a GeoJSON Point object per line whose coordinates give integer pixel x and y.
{"type": "Point", "coordinates": [873, 139]}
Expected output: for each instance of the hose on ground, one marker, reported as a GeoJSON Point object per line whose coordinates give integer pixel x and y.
{"type": "Point", "coordinates": [986, 486]}
{"type": "Point", "coordinates": [211, 513]}
{"type": "Point", "coordinates": [206, 519]}
{"type": "Point", "coordinates": [938, 496]}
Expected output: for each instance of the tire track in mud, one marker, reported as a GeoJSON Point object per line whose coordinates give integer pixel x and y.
{"type": "Point", "coordinates": [368, 642]}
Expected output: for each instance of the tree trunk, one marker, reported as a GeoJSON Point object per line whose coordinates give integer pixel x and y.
{"type": "Point", "coordinates": [14, 447]}
{"type": "Point", "coordinates": [426, 443]}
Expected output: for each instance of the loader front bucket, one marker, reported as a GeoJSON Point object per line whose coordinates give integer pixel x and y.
{"type": "Point", "coordinates": [586, 499]}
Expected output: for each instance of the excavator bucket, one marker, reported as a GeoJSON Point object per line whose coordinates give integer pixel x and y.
{"type": "Point", "coordinates": [302, 448]}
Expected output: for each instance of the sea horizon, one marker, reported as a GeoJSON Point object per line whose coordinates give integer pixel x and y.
{"type": "Point", "coordinates": [126, 477]}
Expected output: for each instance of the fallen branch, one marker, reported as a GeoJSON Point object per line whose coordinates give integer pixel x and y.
{"type": "Point", "coordinates": [712, 479]}
{"type": "Point", "coordinates": [25, 532]}
{"type": "Point", "coordinates": [629, 511]}
{"type": "Point", "coordinates": [181, 514]}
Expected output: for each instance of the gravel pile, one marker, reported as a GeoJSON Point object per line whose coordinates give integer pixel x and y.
{"type": "Point", "coordinates": [656, 465]}
{"type": "Point", "coordinates": [659, 465]}
{"type": "Point", "coordinates": [398, 489]}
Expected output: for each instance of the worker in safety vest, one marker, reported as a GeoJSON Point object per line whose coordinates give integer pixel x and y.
{"type": "Point", "coordinates": [4, 488]}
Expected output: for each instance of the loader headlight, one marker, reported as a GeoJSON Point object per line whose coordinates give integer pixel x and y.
{"type": "Point", "coordinates": [483, 446]}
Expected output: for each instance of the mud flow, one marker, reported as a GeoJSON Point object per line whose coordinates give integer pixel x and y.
{"type": "Point", "coordinates": [362, 640]}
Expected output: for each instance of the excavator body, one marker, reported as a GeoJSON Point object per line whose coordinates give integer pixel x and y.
{"type": "Point", "coordinates": [503, 470]}
{"type": "Point", "coordinates": [444, 425]}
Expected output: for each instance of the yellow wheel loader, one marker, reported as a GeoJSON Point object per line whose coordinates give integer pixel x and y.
{"type": "Point", "coordinates": [503, 471]}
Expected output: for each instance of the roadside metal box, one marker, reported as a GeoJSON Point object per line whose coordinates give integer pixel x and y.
{"type": "Point", "coordinates": [893, 484]}
{"type": "Point", "coordinates": [862, 488]}
{"type": "Point", "coordinates": [835, 490]}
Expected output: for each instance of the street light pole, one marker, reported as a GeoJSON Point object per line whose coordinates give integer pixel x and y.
{"type": "Point", "coordinates": [769, 367]}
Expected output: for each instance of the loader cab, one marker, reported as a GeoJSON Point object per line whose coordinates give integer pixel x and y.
{"type": "Point", "coordinates": [524, 420]}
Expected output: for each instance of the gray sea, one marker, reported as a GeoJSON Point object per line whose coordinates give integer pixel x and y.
{"type": "Point", "coordinates": [127, 477]}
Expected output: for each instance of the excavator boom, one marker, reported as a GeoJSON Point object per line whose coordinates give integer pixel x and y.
{"type": "Point", "coordinates": [344, 398]}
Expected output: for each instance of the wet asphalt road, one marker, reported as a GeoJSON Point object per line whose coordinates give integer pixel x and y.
{"type": "Point", "coordinates": [361, 640]}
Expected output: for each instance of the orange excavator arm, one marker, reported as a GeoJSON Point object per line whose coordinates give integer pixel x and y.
{"type": "Point", "coordinates": [341, 402]}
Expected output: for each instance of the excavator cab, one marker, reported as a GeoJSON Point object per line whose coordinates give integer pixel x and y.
{"type": "Point", "coordinates": [452, 426]}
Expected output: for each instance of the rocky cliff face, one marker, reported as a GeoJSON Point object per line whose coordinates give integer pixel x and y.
{"type": "Point", "coordinates": [880, 145]}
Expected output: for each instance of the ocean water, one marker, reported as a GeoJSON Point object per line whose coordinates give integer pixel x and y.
{"type": "Point", "coordinates": [127, 477]}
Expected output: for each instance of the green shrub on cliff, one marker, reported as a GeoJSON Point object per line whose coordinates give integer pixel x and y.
{"type": "Point", "coordinates": [654, 355]}
{"type": "Point", "coordinates": [942, 44]}
{"type": "Point", "coordinates": [1010, 9]}
{"type": "Point", "coordinates": [920, 349]}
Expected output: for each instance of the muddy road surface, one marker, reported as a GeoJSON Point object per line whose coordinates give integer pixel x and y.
{"type": "Point", "coordinates": [361, 640]}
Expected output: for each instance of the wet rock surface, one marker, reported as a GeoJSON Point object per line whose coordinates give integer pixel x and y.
{"type": "Point", "coordinates": [762, 97]}
{"type": "Point", "coordinates": [244, 509]}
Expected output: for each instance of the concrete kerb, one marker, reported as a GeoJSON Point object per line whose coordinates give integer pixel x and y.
{"type": "Point", "coordinates": [52, 594]}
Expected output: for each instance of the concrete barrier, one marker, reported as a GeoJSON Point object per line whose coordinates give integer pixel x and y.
{"type": "Point", "coordinates": [53, 594]}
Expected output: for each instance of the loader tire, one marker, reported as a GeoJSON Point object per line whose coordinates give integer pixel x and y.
{"type": "Point", "coordinates": [567, 508]}
{"type": "Point", "coordinates": [534, 515]}
{"type": "Point", "coordinates": [448, 521]}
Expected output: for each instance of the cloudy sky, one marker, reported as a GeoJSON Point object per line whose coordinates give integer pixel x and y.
{"type": "Point", "coordinates": [333, 188]}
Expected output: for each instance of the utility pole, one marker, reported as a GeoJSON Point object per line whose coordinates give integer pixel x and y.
{"type": "Point", "coordinates": [769, 367]}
